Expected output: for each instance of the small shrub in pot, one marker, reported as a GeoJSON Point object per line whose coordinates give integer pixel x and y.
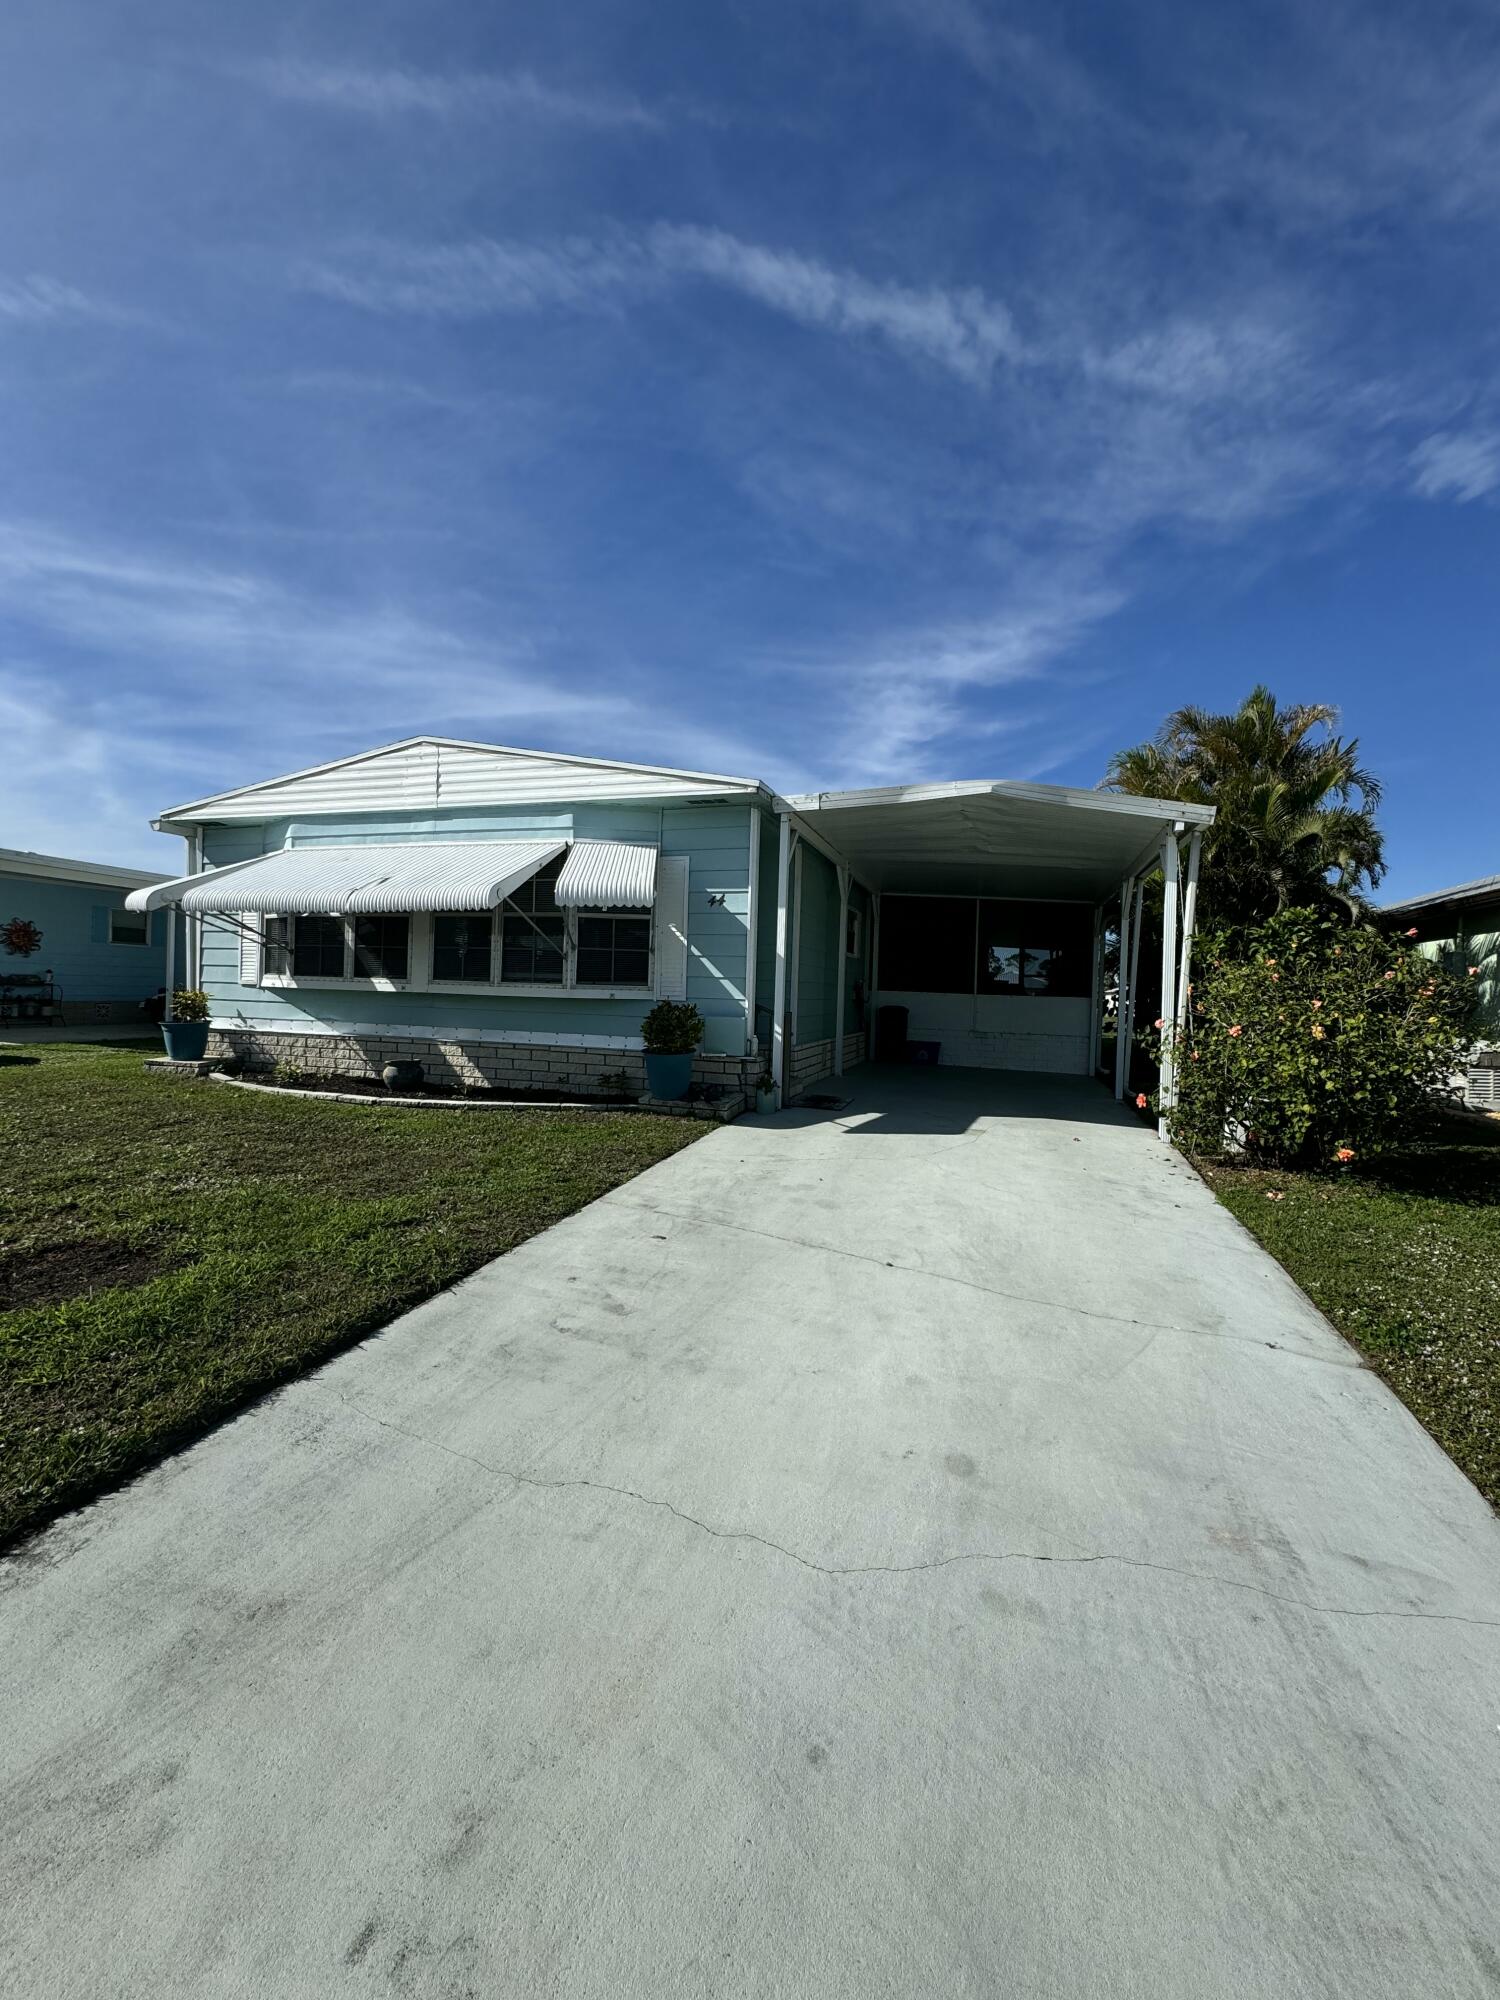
{"type": "Point", "coordinates": [670, 1033]}
{"type": "Point", "coordinates": [186, 1034]}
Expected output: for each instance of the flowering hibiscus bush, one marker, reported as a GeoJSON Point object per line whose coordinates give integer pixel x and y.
{"type": "Point", "coordinates": [1311, 1041]}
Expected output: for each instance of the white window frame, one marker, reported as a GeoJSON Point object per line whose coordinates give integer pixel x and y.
{"type": "Point", "coordinates": [420, 977]}
{"type": "Point", "coordinates": [140, 917]}
{"type": "Point", "coordinates": [855, 927]}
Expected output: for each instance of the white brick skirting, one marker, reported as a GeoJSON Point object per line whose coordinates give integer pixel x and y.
{"type": "Point", "coordinates": [812, 1061]}
{"type": "Point", "coordinates": [569, 1064]}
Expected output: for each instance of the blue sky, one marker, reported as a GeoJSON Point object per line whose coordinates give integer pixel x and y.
{"type": "Point", "coordinates": [842, 392]}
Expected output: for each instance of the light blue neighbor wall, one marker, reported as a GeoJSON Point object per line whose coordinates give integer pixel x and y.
{"type": "Point", "coordinates": [73, 918]}
{"type": "Point", "coordinates": [713, 834]}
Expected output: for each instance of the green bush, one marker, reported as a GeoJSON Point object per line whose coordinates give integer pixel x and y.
{"type": "Point", "coordinates": [1311, 1041]}
{"type": "Point", "coordinates": [672, 1028]}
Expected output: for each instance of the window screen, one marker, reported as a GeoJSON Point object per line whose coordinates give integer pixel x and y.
{"type": "Point", "coordinates": [614, 948]}
{"type": "Point", "coordinates": [461, 945]}
{"type": "Point", "coordinates": [318, 948]}
{"type": "Point", "coordinates": [1043, 948]}
{"type": "Point", "coordinates": [381, 946]}
{"type": "Point", "coordinates": [127, 927]}
{"type": "Point", "coordinates": [534, 931]}
{"type": "Point", "coordinates": [927, 944]}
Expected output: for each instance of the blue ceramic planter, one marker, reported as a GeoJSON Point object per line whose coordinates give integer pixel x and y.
{"type": "Point", "coordinates": [668, 1077]}
{"type": "Point", "coordinates": [187, 1041]}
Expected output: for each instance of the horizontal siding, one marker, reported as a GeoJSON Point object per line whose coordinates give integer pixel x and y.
{"type": "Point", "coordinates": [818, 945]}
{"type": "Point", "coordinates": [713, 835]}
{"type": "Point", "coordinates": [84, 969]}
{"type": "Point", "coordinates": [430, 776]}
{"type": "Point", "coordinates": [769, 833]}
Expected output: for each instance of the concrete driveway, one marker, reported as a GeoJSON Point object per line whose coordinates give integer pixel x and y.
{"type": "Point", "coordinates": [926, 1549]}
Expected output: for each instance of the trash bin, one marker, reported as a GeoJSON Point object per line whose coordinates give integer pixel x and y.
{"type": "Point", "coordinates": [890, 1033]}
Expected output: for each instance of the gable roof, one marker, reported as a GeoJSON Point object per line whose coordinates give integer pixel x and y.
{"type": "Point", "coordinates": [423, 772]}
{"type": "Point", "coordinates": [20, 861]}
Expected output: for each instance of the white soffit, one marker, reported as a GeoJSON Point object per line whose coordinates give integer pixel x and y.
{"type": "Point", "coordinates": [607, 874]}
{"type": "Point", "coordinates": [1004, 839]}
{"type": "Point", "coordinates": [419, 875]}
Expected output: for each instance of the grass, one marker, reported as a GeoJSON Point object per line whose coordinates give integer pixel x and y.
{"type": "Point", "coordinates": [1403, 1255]}
{"type": "Point", "coordinates": [277, 1233]}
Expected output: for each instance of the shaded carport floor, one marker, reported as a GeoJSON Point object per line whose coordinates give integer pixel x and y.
{"type": "Point", "coordinates": [922, 1547]}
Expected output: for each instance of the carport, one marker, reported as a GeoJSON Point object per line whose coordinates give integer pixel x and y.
{"type": "Point", "coordinates": [990, 903]}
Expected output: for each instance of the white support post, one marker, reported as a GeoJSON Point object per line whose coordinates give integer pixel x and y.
{"type": "Point", "coordinates": [1137, 925]}
{"type": "Point", "coordinates": [872, 1004]}
{"type": "Point", "coordinates": [783, 885]}
{"type": "Point", "coordinates": [1189, 925]}
{"type": "Point", "coordinates": [794, 956]}
{"type": "Point", "coordinates": [1122, 1012]}
{"type": "Point", "coordinates": [752, 932]}
{"type": "Point", "coordinates": [843, 961]}
{"type": "Point", "coordinates": [171, 967]}
{"type": "Point", "coordinates": [1167, 1071]}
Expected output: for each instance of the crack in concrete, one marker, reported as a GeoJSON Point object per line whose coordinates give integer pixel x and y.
{"type": "Point", "coordinates": [532, 1481]}
{"type": "Point", "coordinates": [1354, 1364]}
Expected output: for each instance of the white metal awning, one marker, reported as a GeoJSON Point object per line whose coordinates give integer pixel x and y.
{"type": "Point", "coordinates": [416, 875]}
{"type": "Point", "coordinates": [607, 874]}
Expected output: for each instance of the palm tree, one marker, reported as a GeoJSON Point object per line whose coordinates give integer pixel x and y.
{"type": "Point", "coordinates": [1295, 811]}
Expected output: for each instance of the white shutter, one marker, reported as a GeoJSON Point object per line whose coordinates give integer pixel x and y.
{"type": "Point", "coordinates": [250, 950]}
{"type": "Point", "coordinates": [671, 927]}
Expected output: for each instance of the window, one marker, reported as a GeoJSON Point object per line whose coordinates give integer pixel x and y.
{"type": "Point", "coordinates": [533, 934]}
{"type": "Point", "coordinates": [276, 938]}
{"type": "Point", "coordinates": [381, 946]}
{"type": "Point", "coordinates": [127, 927]}
{"type": "Point", "coordinates": [614, 948]}
{"type": "Point", "coordinates": [1043, 948]}
{"type": "Point", "coordinates": [927, 944]}
{"type": "Point", "coordinates": [852, 930]}
{"type": "Point", "coordinates": [951, 944]}
{"type": "Point", "coordinates": [461, 945]}
{"type": "Point", "coordinates": [318, 947]}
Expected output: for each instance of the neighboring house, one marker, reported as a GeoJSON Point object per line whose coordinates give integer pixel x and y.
{"type": "Point", "coordinates": [1458, 928]}
{"type": "Point", "coordinates": [96, 960]}
{"type": "Point", "coordinates": [509, 916]}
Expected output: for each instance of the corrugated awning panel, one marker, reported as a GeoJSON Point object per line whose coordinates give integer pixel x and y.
{"type": "Point", "coordinates": [607, 874]}
{"type": "Point", "coordinates": [418, 875]}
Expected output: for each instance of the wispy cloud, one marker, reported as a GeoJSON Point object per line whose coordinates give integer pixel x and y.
{"type": "Point", "coordinates": [959, 329]}
{"type": "Point", "coordinates": [399, 92]}
{"type": "Point", "coordinates": [37, 301]}
{"type": "Point", "coordinates": [1457, 465]}
{"type": "Point", "coordinates": [329, 677]}
{"type": "Point", "coordinates": [906, 698]}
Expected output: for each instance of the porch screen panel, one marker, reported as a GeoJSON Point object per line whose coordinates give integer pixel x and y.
{"type": "Point", "coordinates": [926, 944]}
{"type": "Point", "coordinates": [1036, 948]}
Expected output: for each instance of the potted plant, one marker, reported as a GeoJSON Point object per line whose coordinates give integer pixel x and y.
{"type": "Point", "coordinates": [669, 1034]}
{"type": "Point", "coordinates": [765, 1094]}
{"type": "Point", "coordinates": [186, 1034]}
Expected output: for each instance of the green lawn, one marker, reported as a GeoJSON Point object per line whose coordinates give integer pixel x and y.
{"type": "Point", "coordinates": [169, 1250]}
{"type": "Point", "coordinates": [1403, 1255]}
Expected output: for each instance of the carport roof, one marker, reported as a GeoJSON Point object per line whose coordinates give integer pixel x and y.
{"type": "Point", "coordinates": [1002, 837]}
